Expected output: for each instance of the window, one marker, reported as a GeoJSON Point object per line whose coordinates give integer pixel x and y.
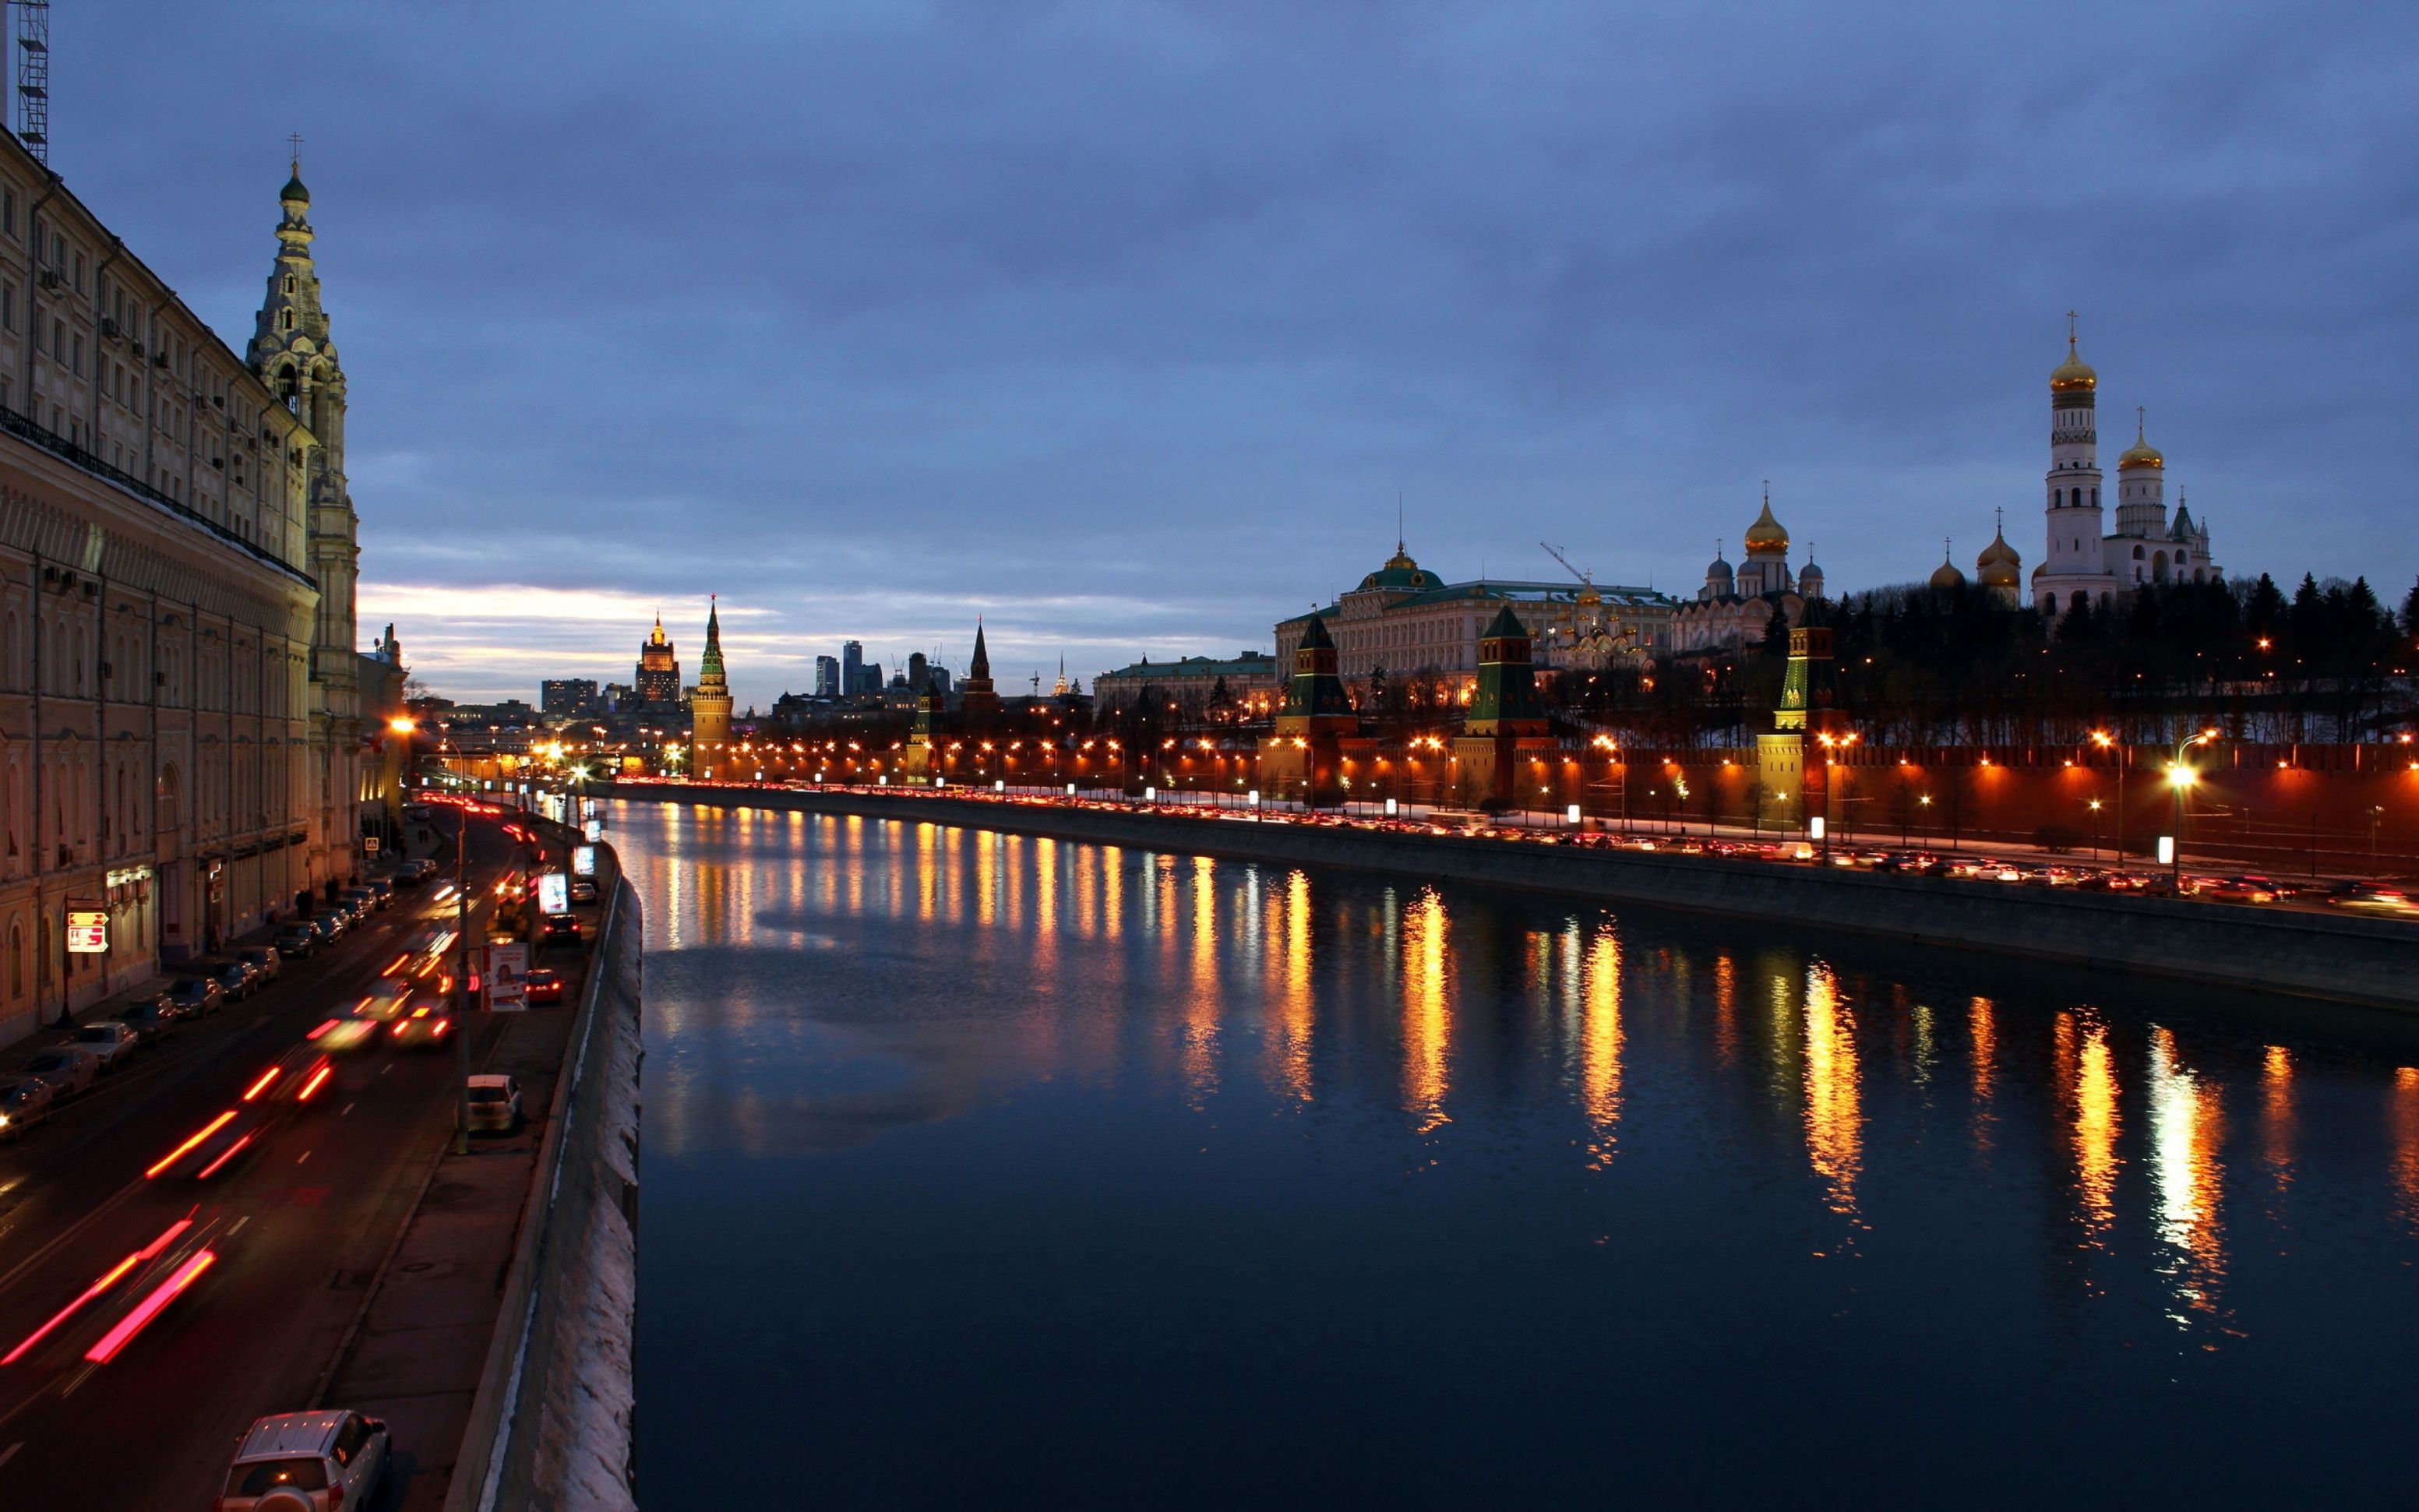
{"type": "Point", "coordinates": [9, 212]}
{"type": "Point", "coordinates": [287, 317]}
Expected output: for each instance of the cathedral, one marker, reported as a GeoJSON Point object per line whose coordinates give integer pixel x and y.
{"type": "Point", "coordinates": [2085, 565]}
{"type": "Point", "coordinates": [1736, 605]}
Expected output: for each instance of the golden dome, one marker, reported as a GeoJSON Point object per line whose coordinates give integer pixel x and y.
{"type": "Point", "coordinates": [1998, 566]}
{"type": "Point", "coordinates": [1765, 534]}
{"type": "Point", "coordinates": [1946, 575]}
{"type": "Point", "coordinates": [2140, 455]}
{"type": "Point", "coordinates": [2074, 374]}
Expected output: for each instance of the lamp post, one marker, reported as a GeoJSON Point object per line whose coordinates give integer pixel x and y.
{"type": "Point", "coordinates": [2180, 778]}
{"type": "Point", "coordinates": [462, 1030]}
{"type": "Point", "coordinates": [2106, 741]}
{"type": "Point", "coordinates": [2095, 829]}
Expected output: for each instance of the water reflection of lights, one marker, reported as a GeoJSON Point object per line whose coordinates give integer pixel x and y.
{"type": "Point", "coordinates": [1427, 1023]}
{"type": "Point", "coordinates": [2096, 1121]}
{"type": "Point", "coordinates": [1200, 1028]}
{"type": "Point", "coordinates": [1834, 1116]}
{"type": "Point", "coordinates": [1290, 1035]}
{"type": "Point", "coordinates": [2405, 1119]}
{"type": "Point", "coordinates": [1600, 1060]}
{"type": "Point", "coordinates": [1982, 1030]}
{"type": "Point", "coordinates": [2185, 1174]}
{"type": "Point", "coordinates": [2276, 1119]}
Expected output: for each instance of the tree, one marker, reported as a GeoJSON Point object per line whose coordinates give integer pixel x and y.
{"type": "Point", "coordinates": [2410, 611]}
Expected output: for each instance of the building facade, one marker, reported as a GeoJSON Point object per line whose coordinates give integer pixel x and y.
{"type": "Point", "coordinates": [181, 743]}
{"type": "Point", "coordinates": [2084, 563]}
{"type": "Point", "coordinates": [1403, 621]}
{"type": "Point", "coordinates": [1248, 678]}
{"type": "Point", "coordinates": [1736, 605]}
{"type": "Point", "coordinates": [570, 697]}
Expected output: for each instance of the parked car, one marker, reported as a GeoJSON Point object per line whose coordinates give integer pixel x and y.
{"type": "Point", "coordinates": [363, 902]}
{"type": "Point", "coordinates": [111, 1042]}
{"type": "Point", "coordinates": [68, 1070]}
{"type": "Point", "coordinates": [237, 979]}
{"type": "Point", "coordinates": [319, 1460]}
{"type": "Point", "coordinates": [152, 1019]}
{"type": "Point", "coordinates": [413, 873]}
{"type": "Point", "coordinates": [380, 889]}
{"type": "Point", "coordinates": [197, 997]}
{"type": "Point", "coordinates": [24, 1102]}
{"type": "Point", "coordinates": [495, 1103]}
{"type": "Point", "coordinates": [544, 985]}
{"type": "Point", "coordinates": [263, 959]}
{"type": "Point", "coordinates": [298, 938]}
{"type": "Point", "coordinates": [331, 926]}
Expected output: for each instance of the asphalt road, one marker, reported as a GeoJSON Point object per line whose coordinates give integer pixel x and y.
{"type": "Point", "coordinates": [294, 1228]}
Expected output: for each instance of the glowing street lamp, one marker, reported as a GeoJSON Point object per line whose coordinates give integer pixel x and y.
{"type": "Point", "coordinates": [2180, 778]}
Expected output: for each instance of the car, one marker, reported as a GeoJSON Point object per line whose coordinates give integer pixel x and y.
{"type": "Point", "coordinates": [389, 999]}
{"type": "Point", "coordinates": [2238, 890]}
{"type": "Point", "coordinates": [111, 1042]}
{"type": "Point", "coordinates": [2372, 898]}
{"type": "Point", "coordinates": [495, 1103]}
{"type": "Point", "coordinates": [68, 1070]}
{"type": "Point", "coordinates": [331, 926]}
{"type": "Point", "coordinates": [544, 985]}
{"type": "Point", "coordinates": [583, 889]}
{"type": "Point", "coordinates": [24, 1102]}
{"type": "Point", "coordinates": [380, 889]}
{"type": "Point", "coordinates": [197, 997]}
{"type": "Point", "coordinates": [266, 960]}
{"type": "Point", "coordinates": [419, 813]}
{"type": "Point", "coordinates": [298, 939]}
{"type": "Point", "coordinates": [413, 873]}
{"type": "Point", "coordinates": [237, 979]}
{"type": "Point", "coordinates": [318, 1461]}
{"type": "Point", "coordinates": [424, 1029]}
{"type": "Point", "coordinates": [152, 1019]}
{"type": "Point", "coordinates": [561, 929]}
{"type": "Point", "coordinates": [361, 900]}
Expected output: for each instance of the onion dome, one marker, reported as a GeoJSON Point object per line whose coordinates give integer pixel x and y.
{"type": "Point", "coordinates": [1998, 566]}
{"type": "Point", "coordinates": [2140, 455]}
{"type": "Point", "coordinates": [294, 194]}
{"type": "Point", "coordinates": [2074, 374]}
{"type": "Point", "coordinates": [1765, 534]}
{"type": "Point", "coordinates": [1946, 575]}
{"type": "Point", "coordinates": [1718, 567]}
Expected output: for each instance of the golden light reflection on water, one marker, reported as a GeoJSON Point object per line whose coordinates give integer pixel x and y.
{"type": "Point", "coordinates": [1600, 1062]}
{"type": "Point", "coordinates": [1290, 1026]}
{"type": "Point", "coordinates": [1428, 1021]}
{"type": "Point", "coordinates": [1725, 1010]}
{"type": "Point", "coordinates": [1201, 1004]}
{"type": "Point", "coordinates": [2096, 1122]}
{"type": "Point", "coordinates": [2403, 1118]}
{"type": "Point", "coordinates": [2186, 1177]}
{"type": "Point", "coordinates": [1982, 1032]}
{"type": "Point", "coordinates": [1834, 1115]}
{"type": "Point", "coordinates": [2276, 1119]}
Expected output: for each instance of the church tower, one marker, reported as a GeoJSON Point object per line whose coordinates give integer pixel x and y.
{"type": "Point", "coordinates": [976, 699]}
{"type": "Point", "coordinates": [2141, 487]}
{"type": "Point", "coordinates": [2074, 561]}
{"type": "Point", "coordinates": [293, 354]}
{"type": "Point", "coordinates": [709, 736]}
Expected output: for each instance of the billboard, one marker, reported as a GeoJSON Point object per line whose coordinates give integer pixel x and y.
{"type": "Point", "coordinates": [594, 830]}
{"type": "Point", "coordinates": [583, 861]}
{"type": "Point", "coordinates": [507, 973]}
{"type": "Point", "coordinates": [553, 893]}
{"type": "Point", "coordinates": [88, 930]}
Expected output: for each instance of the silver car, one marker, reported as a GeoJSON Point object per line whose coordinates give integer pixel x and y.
{"type": "Point", "coordinates": [262, 959]}
{"type": "Point", "coordinates": [112, 1042]}
{"type": "Point", "coordinates": [68, 1070]}
{"type": "Point", "coordinates": [307, 1463]}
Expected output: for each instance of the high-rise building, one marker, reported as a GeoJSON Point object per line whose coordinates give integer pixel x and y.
{"type": "Point", "coordinates": [826, 677]}
{"type": "Point", "coordinates": [657, 680]}
{"type": "Point", "coordinates": [567, 695]}
{"type": "Point", "coordinates": [710, 706]}
{"type": "Point", "coordinates": [852, 668]}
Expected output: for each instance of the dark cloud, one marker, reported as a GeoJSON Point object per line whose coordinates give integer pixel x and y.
{"type": "Point", "coordinates": [1124, 324]}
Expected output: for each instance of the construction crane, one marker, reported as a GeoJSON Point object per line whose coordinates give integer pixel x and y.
{"type": "Point", "coordinates": [1554, 551]}
{"type": "Point", "coordinates": [34, 77]}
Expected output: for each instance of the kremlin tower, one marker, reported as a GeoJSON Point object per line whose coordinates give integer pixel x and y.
{"type": "Point", "coordinates": [710, 706]}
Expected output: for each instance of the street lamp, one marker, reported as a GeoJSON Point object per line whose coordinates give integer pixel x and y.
{"type": "Point", "coordinates": [2180, 778]}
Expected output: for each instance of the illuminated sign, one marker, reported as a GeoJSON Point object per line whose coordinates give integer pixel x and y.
{"type": "Point", "coordinates": [583, 861]}
{"type": "Point", "coordinates": [87, 930]}
{"type": "Point", "coordinates": [507, 977]}
{"type": "Point", "coordinates": [553, 893]}
{"type": "Point", "coordinates": [594, 830]}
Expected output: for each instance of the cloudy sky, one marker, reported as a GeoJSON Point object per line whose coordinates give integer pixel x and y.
{"type": "Point", "coordinates": [1126, 325]}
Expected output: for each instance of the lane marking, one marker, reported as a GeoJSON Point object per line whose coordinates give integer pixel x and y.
{"type": "Point", "coordinates": [349, 1107]}
{"type": "Point", "coordinates": [306, 1155]}
{"type": "Point", "coordinates": [238, 1225]}
{"type": "Point", "coordinates": [9, 1453]}
{"type": "Point", "coordinates": [383, 1070]}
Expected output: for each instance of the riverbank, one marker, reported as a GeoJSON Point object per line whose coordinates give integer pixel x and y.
{"type": "Point", "coordinates": [2368, 961]}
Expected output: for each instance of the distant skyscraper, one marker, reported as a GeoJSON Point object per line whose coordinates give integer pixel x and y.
{"type": "Point", "coordinates": [826, 677]}
{"type": "Point", "coordinates": [658, 677]}
{"type": "Point", "coordinates": [852, 667]}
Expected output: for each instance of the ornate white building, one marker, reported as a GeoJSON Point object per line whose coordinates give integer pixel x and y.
{"type": "Point", "coordinates": [180, 738]}
{"type": "Point", "coordinates": [2086, 565]}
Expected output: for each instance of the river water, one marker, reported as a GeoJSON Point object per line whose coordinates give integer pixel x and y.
{"type": "Point", "coordinates": [983, 1170]}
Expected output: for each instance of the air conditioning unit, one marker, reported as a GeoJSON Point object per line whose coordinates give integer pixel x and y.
{"type": "Point", "coordinates": [49, 278]}
{"type": "Point", "coordinates": [218, 399]}
{"type": "Point", "coordinates": [161, 360]}
{"type": "Point", "coordinates": [109, 326]}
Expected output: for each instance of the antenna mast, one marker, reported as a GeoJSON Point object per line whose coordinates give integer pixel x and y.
{"type": "Point", "coordinates": [34, 78]}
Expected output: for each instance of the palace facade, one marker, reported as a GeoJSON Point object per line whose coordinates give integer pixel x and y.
{"type": "Point", "coordinates": [181, 742]}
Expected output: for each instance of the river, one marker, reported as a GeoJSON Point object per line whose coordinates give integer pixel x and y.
{"type": "Point", "coordinates": [988, 1170]}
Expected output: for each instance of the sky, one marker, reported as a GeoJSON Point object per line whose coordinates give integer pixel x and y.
{"type": "Point", "coordinates": [1129, 328]}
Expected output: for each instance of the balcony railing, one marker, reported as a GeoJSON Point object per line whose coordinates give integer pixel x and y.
{"type": "Point", "coordinates": [59, 446]}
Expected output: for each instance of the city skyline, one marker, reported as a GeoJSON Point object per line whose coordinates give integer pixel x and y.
{"type": "Point", "coordinates": [1130, 337]}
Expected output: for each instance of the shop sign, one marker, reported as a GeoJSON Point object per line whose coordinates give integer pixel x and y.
{"type": "Point", "coordinates": [88, 930]}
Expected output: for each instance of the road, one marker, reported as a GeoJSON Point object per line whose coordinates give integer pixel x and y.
{"type": "Point", "coordinates": [262, 1267]}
